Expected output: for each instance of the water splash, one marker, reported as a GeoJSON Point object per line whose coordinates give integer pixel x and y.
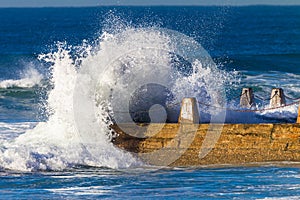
{"type": "Point", "coordinates": [115, 66]}
{"type": "Point", "coordinates": [54, 144]}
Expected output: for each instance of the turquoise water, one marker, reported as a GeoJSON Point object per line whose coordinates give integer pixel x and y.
{"type": "Point", "coordinates": [43, 51]}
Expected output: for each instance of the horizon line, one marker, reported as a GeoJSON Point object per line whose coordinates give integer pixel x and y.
{"type": "Point", "coordinates": [164, 5]}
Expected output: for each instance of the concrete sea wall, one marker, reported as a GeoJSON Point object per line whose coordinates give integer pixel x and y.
{"type": "Point", "coordinates": [237, 144]}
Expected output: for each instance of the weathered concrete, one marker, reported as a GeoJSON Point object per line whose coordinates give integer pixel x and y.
{"type": "Point", "coordinates": [277, 98]}
{"type": "Point", "coordinates": [189, 113]}
{"type": "Point", "coordinates": [247, 97]}
{"type": "Point", "coordinates": [238, 143]}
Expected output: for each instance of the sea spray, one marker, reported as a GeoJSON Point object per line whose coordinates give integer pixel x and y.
{"type": "Point", "coordinates": [138, 60]}
{"type": "Point", "coordinates": [91, 85]}
{"type": "Point", "coordinates": [54, 144]}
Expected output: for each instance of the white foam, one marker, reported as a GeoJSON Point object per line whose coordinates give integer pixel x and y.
{"type": "Point", "coordinates": [289, 82]}
{"type": "Point", "coordinates": [29, 78]}
{"type": "Point", "coordinates": [282, 198]}
{"type": "Point", "coordinates": [262, 85]}
{"type": "Point", "coordinates": [55, 144]}
{"type": "Point", "coordinates": [9, 131]}
{"type": "Point", "coordinates": [92, 190]}
{"type": "Point", "coordinates": [120, 64]}
{"type": "Point", "coordinates": [288, 112]}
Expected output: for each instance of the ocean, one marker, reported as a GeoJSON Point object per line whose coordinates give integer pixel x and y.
{"type": "Point", "coordinates": [67, 74]}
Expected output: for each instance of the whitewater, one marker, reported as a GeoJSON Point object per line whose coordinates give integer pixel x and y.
{"type": "Point", "coordinates": [80, 108]}
{"type": "Point", "coordinates": [92, 86]}
{"type": "Point", "coordinates": [67, 74]}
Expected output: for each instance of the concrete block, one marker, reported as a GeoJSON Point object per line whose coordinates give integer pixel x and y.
{"type": "Point", "coordinates": [189, 113]}
{"type": "Point", "coordinates": [298, 118]}
{"type": "Point", "coordinates": [247, 98]}
{"type": "Point", "coordinates": [277, 98]}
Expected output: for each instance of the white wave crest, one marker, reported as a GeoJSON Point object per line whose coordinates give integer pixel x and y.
{"type": "Point", "coordinates": [29, 78]}
{"type": "Point", "coordinates": [58, 144]}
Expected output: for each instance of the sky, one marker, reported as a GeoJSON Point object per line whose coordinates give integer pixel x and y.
{"type": "Point", "coordinates": [71, 3]}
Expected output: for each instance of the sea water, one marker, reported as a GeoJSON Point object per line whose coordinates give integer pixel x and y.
{"type": "Point", "coordinates": [68, 73]}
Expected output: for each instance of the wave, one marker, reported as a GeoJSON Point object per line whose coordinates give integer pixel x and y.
{"type": "Point", "coordinates": [262, 84]}
{"type": "Point", "coordinates": [96, 84]}
{"type": "Point", "coordinates": [29, 78]}
{"type": "Point", "coordinates": [80, 104]}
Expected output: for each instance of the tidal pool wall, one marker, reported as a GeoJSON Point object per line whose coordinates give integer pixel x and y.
{"type": "Point", "coordinates": [238, 143]}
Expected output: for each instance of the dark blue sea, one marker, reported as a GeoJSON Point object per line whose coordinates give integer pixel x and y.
{"type": "Point", "coordinates": [66, 74]}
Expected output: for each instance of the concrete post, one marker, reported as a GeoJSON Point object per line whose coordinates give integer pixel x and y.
{"type": "Point", "coordinates": [246, 100]}
{"type": "Point", "coordinates": [298, 118]}
{"type": "Point", "coordinates": [189, 113]}
{"type": "Point", "coordinates": [277, 98]}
